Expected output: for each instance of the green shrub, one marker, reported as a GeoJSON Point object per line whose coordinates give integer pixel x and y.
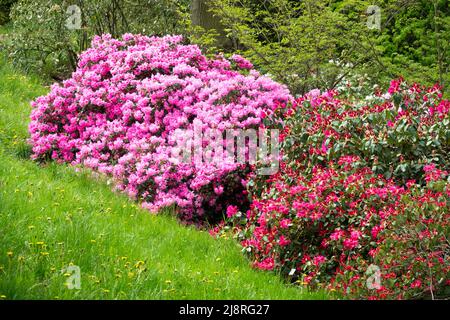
{"type": "Point", "coordinates": [5, 7]}
{"type": "Point", "coordinates": [302, 44]}
{"type": "Point", "coordinates": [41, 42]}
{"type": "Point", "coordinates": [361, 203]}
{"type": "Point", "coordinates": [415, 40]}
{"type": "Point", "coordinates": [317, 43]}
{"type": "Point", "coordinates": [395, 134]}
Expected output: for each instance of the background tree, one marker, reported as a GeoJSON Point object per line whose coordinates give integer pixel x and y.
{"type": "Point", "coordinates": [415, 40]}
{"type": "Point", "coordinates": [5, 7]}
{"type": "Point", "coordinates": [204, 19]}
{"type": "Point", "coordinates": [326, 43]}
{"type": "Point", "coordinates": [41, 42]}
{"type": "Point", "coordinates": [304, 44]}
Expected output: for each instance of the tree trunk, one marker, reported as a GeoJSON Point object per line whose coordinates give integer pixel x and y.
{"type": "Point", "coordinates": [201, 16]}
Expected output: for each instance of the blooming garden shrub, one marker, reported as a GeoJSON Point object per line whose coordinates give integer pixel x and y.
{"type": "Point", "coordinates": [128, 102]}
{"type": "Point", "coordinates": [395, 134]}
{"type": "Point", "coordinates": [413, 248]}
{"type": "Point", "coordinates": [326, 230]}
{"type": "Point", "coordinates": [361, 203]}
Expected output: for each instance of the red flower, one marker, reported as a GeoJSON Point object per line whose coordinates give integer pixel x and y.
{"type": "Point", "coordinates": [266, 264]}
{"type": "Point", "coordinates": [285, 223]}
{"type": "Point", "coordinates": [318, 260]}
{"type": "Point", "coordinates": [350, 243]}
{"type": "Point", "coordinates": [283, 241]}
{"type": "Point", "coordinates": [232, 211]}
{"type": "Point", "coordinates": [416, 284]}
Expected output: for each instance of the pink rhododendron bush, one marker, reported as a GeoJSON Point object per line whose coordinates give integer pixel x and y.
{"type": "Point", "coordinates": [126, 106]}
{"type": "Point", "coordinates": [361, 203]}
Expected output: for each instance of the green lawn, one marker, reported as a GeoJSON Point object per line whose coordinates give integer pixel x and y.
{"type": "Point", "coordinates": [52, 217]}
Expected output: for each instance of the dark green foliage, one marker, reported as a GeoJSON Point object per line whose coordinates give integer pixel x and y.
{"type": "Point", "coordinates": [415, 40]}
{"type": "Point", "coordinates": [324, 43]}
{"type": "Point", "coordinates": [304, 44]}
{"type": "Point", "coordinates": [41, 42]}
{"type": "Point", "coordinates": [5, 7]}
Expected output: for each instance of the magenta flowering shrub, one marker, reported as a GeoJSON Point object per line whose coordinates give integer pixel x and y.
{"type": "Point", "coordinates": [395, 134]}
{"type": "Point", "coordinates": [327, 230]}
{"type": "Point", "coordinates": [361, 203]}
{"type": "Point", "coordinates": [123, 109]}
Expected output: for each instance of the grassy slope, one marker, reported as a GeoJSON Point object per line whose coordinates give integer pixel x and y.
{"type": "Point", "coordinates": [52, 216]}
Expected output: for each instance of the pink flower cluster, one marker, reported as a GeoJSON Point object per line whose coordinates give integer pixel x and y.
{"type": "Point", "coordinates": [327, 229]}
{"type": "Point", "coordinates": [121, 111]}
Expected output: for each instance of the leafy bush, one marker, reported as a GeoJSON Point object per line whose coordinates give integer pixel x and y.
{"type": "Point", "coordinates": [333, 219]}
{"type": "Point", "coordinates": [395, 134]}
{"type": "Point", "coordinates": [129, 102]}
{"type": "Point", "coordinates": [5, 7]}
{"type": "Point", "coordinates": [317, 43]}
{"type": "Point", "coordinates": [41, 41]}
{"type": "Point", "coordinates": [327, 230]}
{"type": "Point", "coordinates": [414, 248]}
{"type": "Point", "coordinates": [298, 43]}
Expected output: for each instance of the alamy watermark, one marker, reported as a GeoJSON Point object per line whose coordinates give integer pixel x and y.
{"type": "Point", "coordinates": [373, 282]}
{"type": "Point", "coordinates": [374, 17]}
{"type": "Point", "coordinates": [202, 146]}
{"type": "Point", "coordinates": [73, 22]}
{"type": "Point", "coordinates": [73, 274]}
